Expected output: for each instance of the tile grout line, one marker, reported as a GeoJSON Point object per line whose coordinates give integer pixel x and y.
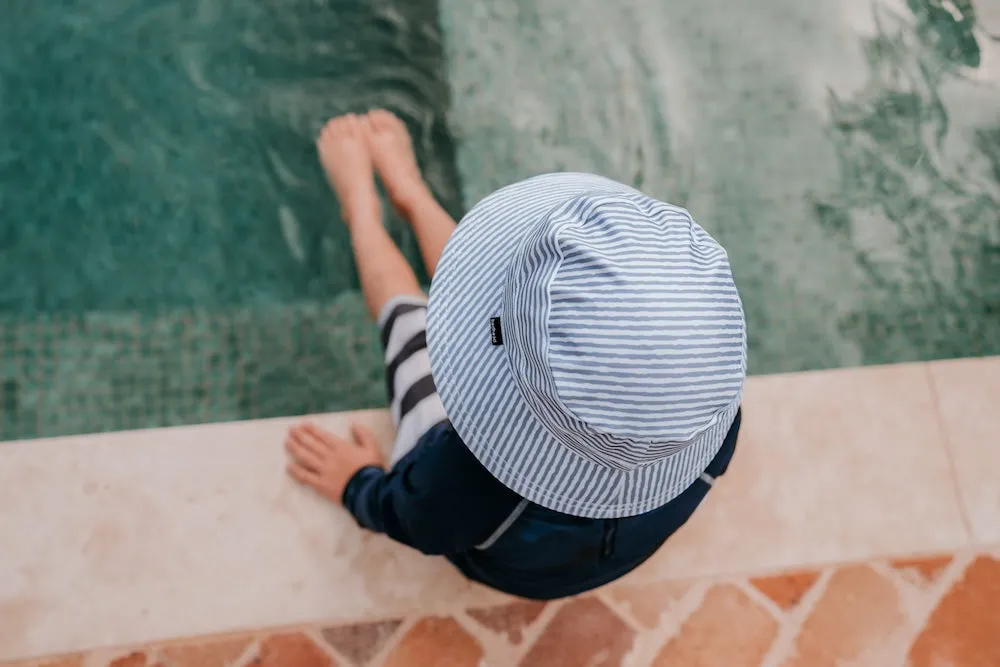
{"type": "Point", "coordinates": [314, 633]}
{"type": "Point", "coordinates": [541, 624]}
{"type": "Point", "coordinates": [535, 630]}
{"type": "Point", "coordinates": [489, 639]}
{"type": "Point", "coordinates": [603, 595]}
{"type": "Point", "coordinates": [406, 624]}
{"type": "Point", "coordinates": [948, 450]}
{"type": "Point", "coordinates": [757, 597]}
{"type": "Point", "coordinates": [783, 647]}
{"type": "Point", "coordinates": [670, 622]}
{"type": "Point", "coordinates": [646, 642]}
{"type": "Point", "coordinates": [530, 633]}
{"type": "Point", "coordinates": [912, 593]}
{"type": "Point", "coordinates": [249, 653]}
{"type": "Point", "coordinates": [935, 593]}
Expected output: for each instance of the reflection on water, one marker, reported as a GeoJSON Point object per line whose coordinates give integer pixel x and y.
{"type": "Point", "coordinates": [947, 28]}
{"type": "Point", "coordinates": [908, 188]}
{"type": "Point", "coordinates": [844, 151]}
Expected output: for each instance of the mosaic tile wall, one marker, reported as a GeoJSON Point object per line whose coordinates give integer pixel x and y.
{"type": "Point", "coordinates": [85, 373]}
{"type": "Point", "coordinates": [847, 152]}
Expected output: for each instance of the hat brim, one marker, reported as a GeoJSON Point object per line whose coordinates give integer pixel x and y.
{"type": "Point", "coordinates": [482, 399]}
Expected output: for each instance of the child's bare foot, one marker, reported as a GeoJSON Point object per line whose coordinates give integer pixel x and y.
{"type": "Point", "coordinates": [395, 162]}
{"type": "Point", "coordinates": [343, 152]}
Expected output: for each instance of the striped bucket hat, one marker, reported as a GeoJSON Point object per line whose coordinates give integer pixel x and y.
{"type": "Point", "coordinates": [588, 343]}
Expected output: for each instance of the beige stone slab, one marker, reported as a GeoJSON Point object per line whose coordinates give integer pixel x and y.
{"type": "Point", "coordinates": [830, 466]}
{"type": "Point", "coordinates": [968, 393]}
{"type": "Point", "coordinates": [132, 537]}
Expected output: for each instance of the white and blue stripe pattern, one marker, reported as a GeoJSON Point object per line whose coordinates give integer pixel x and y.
{"type": "Point", "coordinates": [624, 349]}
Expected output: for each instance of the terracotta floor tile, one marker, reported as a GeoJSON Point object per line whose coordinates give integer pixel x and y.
{"type": "Point", "coordinates": [965, 628]}
{"type": "Point", "coordinates": [786, 589]}
{"type": "Point", "coordinates": [291, 649]}
{"type": "Point", "coordinates": [727, 629]}
{"type": "Point", "coordinates": [438, 641]}
{"type": "Point", "coordinates": [922, 570]}
{"type": "Point", "coordinates": [218, 653]}
{"type": "Point", "coordinates": [648, 602]}
{"type": "Point", "coordinates": [136, 659]}
{"type": "Point", "coordinates": [360, 642]}
{"type": "Point", "coordinates": [968, 393]}
{"type": "Point", "coordinates": [854, 622]}
{"type": "Point", "coordinates": [509, 619]}
{"type": "Point", "coordinates": [583, 632]}
{"type": "Point", "coordinates": [817, 452]}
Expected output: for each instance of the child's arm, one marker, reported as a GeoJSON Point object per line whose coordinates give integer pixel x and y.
{"type": "Point", "coordinates": [437, 499]}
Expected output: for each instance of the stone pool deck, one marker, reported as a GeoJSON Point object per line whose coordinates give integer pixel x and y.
{"type": "Point", "coordinates": [859, 525]}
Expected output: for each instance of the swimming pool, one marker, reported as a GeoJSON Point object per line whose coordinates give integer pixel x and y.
{"type": "Point", "coordinates": [172, 254]}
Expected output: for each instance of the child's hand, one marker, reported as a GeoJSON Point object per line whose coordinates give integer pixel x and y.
{"type": "Point", "coordinates": [326, 462]}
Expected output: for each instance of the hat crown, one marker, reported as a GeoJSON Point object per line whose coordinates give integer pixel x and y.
{"type": "Point", "coordinates": [624, 327]}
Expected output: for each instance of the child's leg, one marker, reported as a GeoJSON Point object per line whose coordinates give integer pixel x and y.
{"type": "Point", "coordinates": [396, 164]}
{"type": "Point", "coordinates": [390, 286]}
{"type": "Point", "coordinates": [384, 272]}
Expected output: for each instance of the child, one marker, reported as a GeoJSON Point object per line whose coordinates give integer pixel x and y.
{"type": "Point", "coordinates": [588, 351]}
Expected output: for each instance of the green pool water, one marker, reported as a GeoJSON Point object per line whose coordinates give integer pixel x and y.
{"type": "Point", "coordinates": [172, 255]}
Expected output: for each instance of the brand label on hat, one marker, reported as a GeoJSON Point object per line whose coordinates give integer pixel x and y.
{"type": "Point", "coordinates": [496, 333]}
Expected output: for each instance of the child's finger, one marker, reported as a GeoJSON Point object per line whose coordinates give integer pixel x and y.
{"type": "Point", "coordinates": [303, 454]}
{"type": "Point", "coordinates": [303, 475]}
{"type": "Point", "coordinates": [306, 440]}
{"type": "Point", "coordinates": [318, 437]}
{"type": "Point", "coordinates": [364, 436]}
